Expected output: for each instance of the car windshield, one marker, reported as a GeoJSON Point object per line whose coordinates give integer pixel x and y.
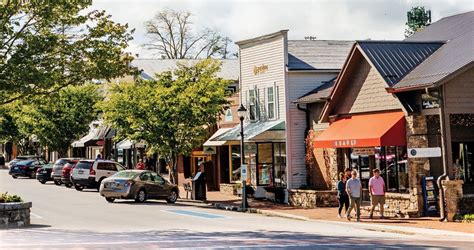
{"type": "Point", "coordinates": [24, 163]}
{"type": "Point", "coordinates": [84, 165]}
{"type": "Point", "coordinates": [125, 174]}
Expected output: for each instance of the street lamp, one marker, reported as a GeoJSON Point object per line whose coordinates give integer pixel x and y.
{"type": "Point", "coordinates": [241, 112]}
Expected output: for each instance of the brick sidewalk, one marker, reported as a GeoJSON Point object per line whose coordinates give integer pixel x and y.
{"type": "Point", "coordinates": [330, 214]}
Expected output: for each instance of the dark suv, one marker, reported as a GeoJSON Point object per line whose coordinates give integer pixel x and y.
{"type": "Point", "coordinates": [26, 168]}
{"type": "Point", "coordinates": [58, 169]}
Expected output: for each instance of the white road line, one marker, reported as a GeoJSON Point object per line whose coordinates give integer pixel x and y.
{"type": "Point", "coordinates": [35, 215]}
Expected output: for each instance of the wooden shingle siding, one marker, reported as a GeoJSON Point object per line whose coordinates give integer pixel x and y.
{"type": "Point", "coordinates": [459, 93]}
{"type": "Point", "coordinates": [271, 54]}
{"type": "Point", "coordinates": [366, 93]}
{"type": "Point", "coordinates": [298, 85]}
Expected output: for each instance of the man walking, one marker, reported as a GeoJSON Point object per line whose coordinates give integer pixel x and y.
{"type": "Point", "coordinates": [354, 190]}
{"type": "Point", "coordinates": [377, 193]}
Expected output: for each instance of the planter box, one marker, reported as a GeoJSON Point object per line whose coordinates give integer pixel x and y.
{"type": "Point", "coordinates": [312, 198]}
{"type": "Point", "coordinates": [15, 214]}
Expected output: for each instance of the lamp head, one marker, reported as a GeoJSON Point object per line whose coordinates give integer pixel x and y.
{"type": "Point", "coordinates": [241, 111]}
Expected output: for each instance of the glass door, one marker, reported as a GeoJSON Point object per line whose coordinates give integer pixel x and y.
{"type": "Point", "coordinates": [264, 164]}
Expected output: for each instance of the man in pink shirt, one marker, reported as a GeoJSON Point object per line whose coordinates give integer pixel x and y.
{"type": "Point", "coordinates": [377, 192]}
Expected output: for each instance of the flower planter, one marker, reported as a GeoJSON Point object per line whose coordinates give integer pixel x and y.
{"type": "Point", "coordinates": [15, 214]}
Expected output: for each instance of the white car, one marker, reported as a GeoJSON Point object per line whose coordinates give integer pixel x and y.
{"type": "Point", "coordinates": [90, 173]}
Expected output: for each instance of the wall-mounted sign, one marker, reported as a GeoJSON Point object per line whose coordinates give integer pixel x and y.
{"type": "Point", "coordinates": [429, 102]}
{"type": "Point", "coordinates": [363, 151]}
{"type": "Point", "coordinates": [260, 69]}
{"type": "Point", "coordinates": [424, 152]}
{"type": "Point", "coordinates": [209, 150]}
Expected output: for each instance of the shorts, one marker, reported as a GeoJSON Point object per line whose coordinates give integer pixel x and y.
{"type": "Point", "coordinates": [377, 199]}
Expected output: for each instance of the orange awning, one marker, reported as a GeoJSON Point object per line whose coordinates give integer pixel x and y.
{"type": "Point", "coordinates": [371, 130]}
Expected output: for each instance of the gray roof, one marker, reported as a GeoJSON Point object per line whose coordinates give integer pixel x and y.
{"type": "Point", "coordinates": [456, 54]}
{"type": "Point", "coordinates": [395, 59]}
{"type": "Point", "coordinates": [321, 93]}
{"type": "Point", "coordinates": [150, 67]}
{"type": "Point", "coordinates": [317, 54]}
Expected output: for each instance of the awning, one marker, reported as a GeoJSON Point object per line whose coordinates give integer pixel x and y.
{"type": "Point", "coordinates": [128, 144]}
{"type": "Point", "coordinates": [211, 143]}
{"type": "Point", "coordinates": [252, 130]}
{"type": "Point", "coordinates": [89, 137]}
{"type": "Point", "coordinates": [371, 130]}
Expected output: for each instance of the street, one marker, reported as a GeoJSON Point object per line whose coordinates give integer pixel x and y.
{"type": "Point", "coordinates": [63, 217]}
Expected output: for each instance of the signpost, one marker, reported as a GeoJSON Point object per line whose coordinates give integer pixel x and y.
{"type": "Point", "coordinates": [424, 152]}
{"type": "Point", "coordinates": [243, 172]}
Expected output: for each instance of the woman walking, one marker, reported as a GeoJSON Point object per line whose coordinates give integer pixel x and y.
{"type": "Point", "coordinates": [342, 196]}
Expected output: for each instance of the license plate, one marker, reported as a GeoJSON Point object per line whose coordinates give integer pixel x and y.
{"type": "Point", "coordinates": [16, 168]}
{"type": "Point", "coordinates": [81, 171]}
{"type": "Point", "coordinates": [113, 185]}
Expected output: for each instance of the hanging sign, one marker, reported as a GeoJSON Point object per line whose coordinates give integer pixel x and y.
{"type": "Point", "coordinates": [363, 151]}
{"type": "Point", "coordinates": [424, 152]}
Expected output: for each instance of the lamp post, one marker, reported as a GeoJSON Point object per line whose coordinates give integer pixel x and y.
{"type": "Point", "coordinates": [241, 112]}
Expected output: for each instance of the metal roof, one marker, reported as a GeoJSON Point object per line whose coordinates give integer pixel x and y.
{"type": "Point", "coordinates": [151, 67]}
{"type": "Point", "coordinates": [321, 93]}
{"type": "Point", "coordinates": [251, 130]}
{"type": "Point", "coordinates": [395, 59]}
{"type": "Point", "coordinates": [317, 54]}
{"type": "Point", "coordinates": [455, 55]}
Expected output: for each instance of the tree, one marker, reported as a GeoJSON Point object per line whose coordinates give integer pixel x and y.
{"type": "Point", "coordinates": [170, 114]}
{"type": "Point", "coordinates": [172, 35]}
{"type": "Point", "coordinates": [47, 47]}
{"type": "Point", "coordinates": [61, 118]}
{"type": "Point", "coordinates": [417, 19]}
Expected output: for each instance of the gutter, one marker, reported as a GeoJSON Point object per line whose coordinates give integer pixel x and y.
{"type": "Point", "coordinates": [308, 125]}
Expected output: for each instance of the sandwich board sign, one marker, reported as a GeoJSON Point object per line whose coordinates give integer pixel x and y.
{"type": "Point", "coordinates": [424, 152]}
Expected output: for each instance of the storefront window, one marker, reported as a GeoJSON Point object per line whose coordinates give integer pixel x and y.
{"type": "Point", "coordinates": [251, 161]}
{"type": "Point", "coordinates": [265, 164]}
{"type": "Point", "coordinates": [279, 154]}
{"type": "Point", "coordinates": [392, 162]}
{"type": "Point", "coordinates": [235, 171]}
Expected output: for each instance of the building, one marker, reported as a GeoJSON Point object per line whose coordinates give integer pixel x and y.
{"type": "Point", "coordinates": [275, 71]}
{"type": "Point", "coordinates": [395, 98]}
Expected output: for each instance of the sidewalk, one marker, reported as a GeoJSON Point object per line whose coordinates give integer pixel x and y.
{"type": "Point", "coordinates": [268, 208]}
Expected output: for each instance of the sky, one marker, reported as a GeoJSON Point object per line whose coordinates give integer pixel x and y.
{"type": "Point", "coordinates": [244, 19]}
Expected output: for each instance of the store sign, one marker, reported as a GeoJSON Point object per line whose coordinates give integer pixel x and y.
{"type": "Point", "coordinates": [424, 152]}
{"type": "Point", "coordinates": [363, 151]}
{"type": "Point", "coordinates": [243, 172]}
{"type": "Point", "coordinates": [260, 69]}
{"type": "Point", "coordinates": [209, 150]}
{"type": "Point", "coordinates": [429, 102]}
{"type": "Point", "coordinates": [345, 143]}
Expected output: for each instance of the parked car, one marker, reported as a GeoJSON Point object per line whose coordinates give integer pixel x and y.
{"type": "Point", "coordinates": [139, 185]}
{"type": "Point", "coordinates": [90, 173]}
{"type": "Point", "coordinates": [24, 158]}
{"type": "Point", "coordinates": [26, 168]}
{"type": "Point", "coordinates": [58, 169]}
{"type": "Point", "coordinates": [43, 174]}
{"type": "Point", "coordinates": [66, 173]}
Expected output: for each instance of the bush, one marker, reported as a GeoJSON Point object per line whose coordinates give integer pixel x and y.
{"type": "Point", "coordinates": [6, 198]}
{"type": "Point", "coordinates": [468, 218]}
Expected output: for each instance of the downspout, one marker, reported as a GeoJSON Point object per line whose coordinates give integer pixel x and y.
{"type": "Point", "coordinates": [308, 122]}
{"type": "Point", "coordinates": [442, 118]}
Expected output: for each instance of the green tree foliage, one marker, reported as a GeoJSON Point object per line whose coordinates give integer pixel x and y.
{"type": "Point", "coordinates": [48, 45]}
{"type": "Point", "coordinates": [61, 118]}
{"type": "Point", "coordinates": [417, 19]}
{"type": "Point", "coordinates": [8, 127]}
{"type": "Point", "coordinates": [171, 113]}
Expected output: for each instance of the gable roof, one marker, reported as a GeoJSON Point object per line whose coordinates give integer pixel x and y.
{"type": "Point", "coordinates": [321, 93]}
{"type": "Point", "coordinates": [150, 67]}
{"type": "Point", "coordinates": [395, 59]}
{"type": "Point", "coordinates": [317, 54]}
{"type": "Point", "coordinates": [457, 54]}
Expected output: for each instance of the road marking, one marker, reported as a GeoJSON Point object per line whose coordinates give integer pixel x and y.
{"type": "Point", "coordinates": [35, 216]}
{"type": "Point", "coordinates": [196, 214]}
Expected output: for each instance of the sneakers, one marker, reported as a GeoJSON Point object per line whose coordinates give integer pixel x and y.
{"type": "Point", "coordinates": [348, 217]}
{"type": "Point", "coordinates": [339, 216]}
{"type": "Point", "coordinates": [383, 217]}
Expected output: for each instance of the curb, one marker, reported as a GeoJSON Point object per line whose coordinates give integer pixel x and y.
{"type": "Point", "coordinates": [233, 208]}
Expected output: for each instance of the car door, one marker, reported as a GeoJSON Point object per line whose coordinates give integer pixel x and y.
{"type": "Point", "coordinates": [159, 185]}
{"type": "Point", "coordinates": [148, 183]}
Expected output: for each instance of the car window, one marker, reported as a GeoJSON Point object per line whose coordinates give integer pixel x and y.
{"type": "Point", "coordinates": [119, 167]}
{"type": "Point", "coordinates": [84, 165]}
{"type": "Point", "coordinates": [158, 178]}
{"type": "Point", "coordinates": [125, 174]}
{"type": "Point", "coordinates": [111, 166]}
{"type": "Point", "coordinates": [102, 166]}
{"type": "Point", "coordinates": [145, 177]}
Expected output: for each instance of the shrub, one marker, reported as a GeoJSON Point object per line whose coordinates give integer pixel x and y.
{"type": "Point", "coordinates": [6, 198]}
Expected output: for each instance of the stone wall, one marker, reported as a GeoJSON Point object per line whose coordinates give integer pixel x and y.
{"type": "Point", "coordinates": [312, 198]}
{"type": "Point", "coordinates": [453, 196]}
{"type": "Point", "coordinates": [15, 214]}
{"type": "Point", "coordinates": [228, 189]}
{"type": "Point", "coordinates": [401, 205]}
{"type": "Point", "coordinates": [466, 206]}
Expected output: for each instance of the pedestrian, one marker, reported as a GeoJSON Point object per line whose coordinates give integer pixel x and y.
{"type": "Point", "coordinates": [377, 193]}
{"type": "Point", "coordinates": [98, 157]}
{"type": "Point", "coordinates": [342, 196]}
{"type": "Point", "coordinates": [354, 190]}
{"type": "Point", "coordinates": [140, 165]}
{"type": "Point", "coordinates": [348, 173]}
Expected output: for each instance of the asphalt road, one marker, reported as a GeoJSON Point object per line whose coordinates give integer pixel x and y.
{"type": "Point", "coordinates": [65, 218]}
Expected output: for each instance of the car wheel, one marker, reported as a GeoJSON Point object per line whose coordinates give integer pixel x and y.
{"type": "Point", "coordinates": [69, 185]}
{"type": "Point", "coordinates": [141, 196]}
{"type": "Point", "coordinates": [173, 196]}
{"type": "Point", "coordinates": [42, 182]}
{"type": "Point", "coordinates": [58, 183]}
{"type": "Point", "coordinates": [33, 175]}
{"type": "Point", "coordinates": [79, 187]}
{"type": "Point", "coordinates": [14, 176]}
{"type": "Point", "coordinates": [110, 199]}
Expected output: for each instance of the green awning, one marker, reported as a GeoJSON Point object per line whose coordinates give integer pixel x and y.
{"type": "Point", "coordinates": [273, 131]}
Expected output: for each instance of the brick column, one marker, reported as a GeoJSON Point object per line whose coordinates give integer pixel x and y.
{"type": "Point", "coordinates": [453, 195]}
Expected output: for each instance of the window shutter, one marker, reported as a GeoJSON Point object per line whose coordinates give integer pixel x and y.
{"type": "Point", "coordinates": [277, 101]}
{"type": "Point", "coordinates": [265, 100]}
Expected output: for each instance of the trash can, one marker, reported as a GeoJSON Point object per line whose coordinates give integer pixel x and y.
{"type": "Point", "coordinates": [2, 161]}
{"type": "Point", "coordinates": [199, 187]}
